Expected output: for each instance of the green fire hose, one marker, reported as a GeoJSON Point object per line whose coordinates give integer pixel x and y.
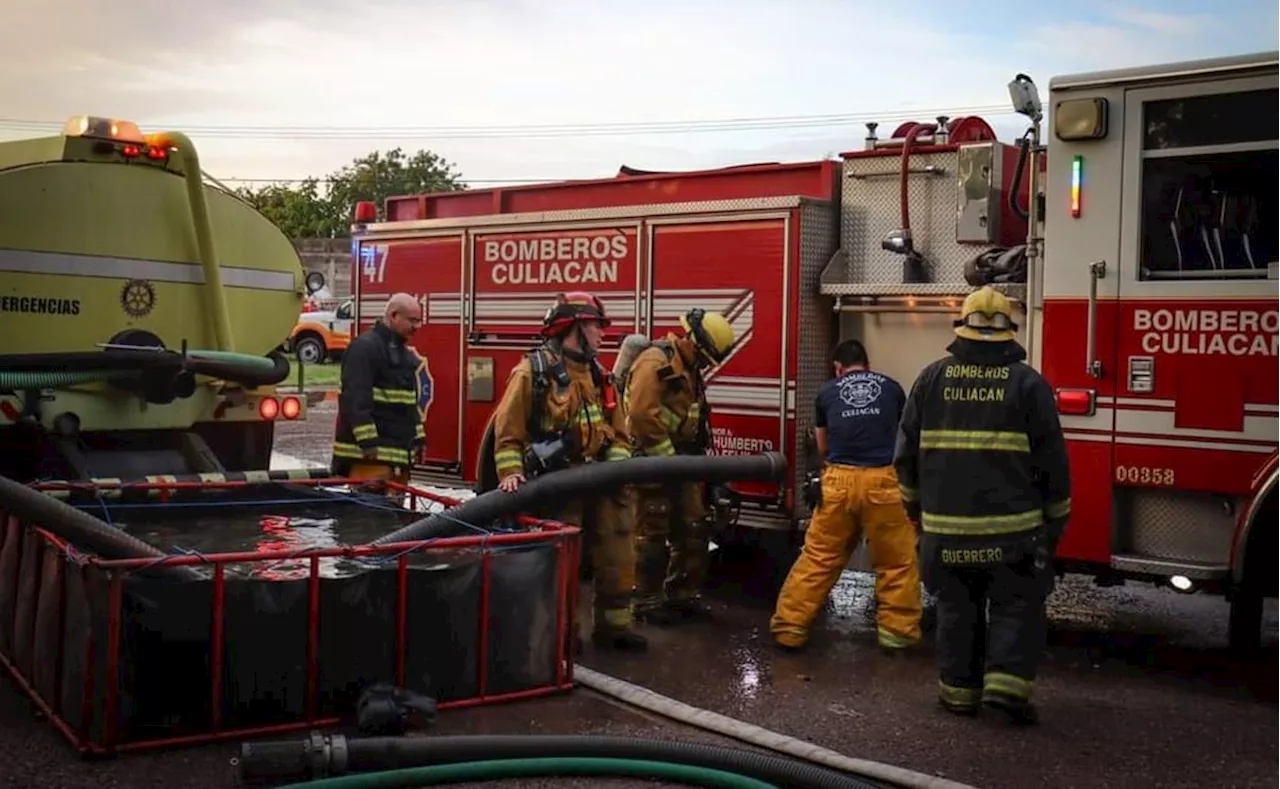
{"type": "Point", "coordinates": [503, 769]}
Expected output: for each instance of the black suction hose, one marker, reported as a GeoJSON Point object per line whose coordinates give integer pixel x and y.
{"type": "Point", "coordinates": [590, 478]}
{"type": "Point", "coordinates": [83, 530]}
{"type": "Point", "coordinates": [127, 360]}
{"type": "Point", "coordinates": [318, 757]}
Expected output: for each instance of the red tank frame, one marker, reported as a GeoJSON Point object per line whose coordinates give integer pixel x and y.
{"type": "Point", "coordinates": [56, 556]}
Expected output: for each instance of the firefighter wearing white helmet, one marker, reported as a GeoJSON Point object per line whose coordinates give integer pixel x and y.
{"type": "Point", "coordinates": [983, 468]}
{"type": "Point", "coordinates": [664, 397]}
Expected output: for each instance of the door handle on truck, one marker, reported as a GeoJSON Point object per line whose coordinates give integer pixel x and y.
{"type": "Point", "coordinates": [1092, 364]}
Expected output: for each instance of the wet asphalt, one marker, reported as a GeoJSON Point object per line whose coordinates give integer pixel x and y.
{"type": "Point", "coordinates": [1136, 690]}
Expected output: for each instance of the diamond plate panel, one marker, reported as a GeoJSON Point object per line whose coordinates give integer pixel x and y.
{"type": "Point", "coordinates": [1167, 524]}
{"type": "Point", "coordinates": [870, 210]}
{"type": "Point", "coordinates": [819, 239]}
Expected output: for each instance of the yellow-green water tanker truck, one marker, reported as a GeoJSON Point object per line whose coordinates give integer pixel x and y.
{"type": "Point", "coordinates": [141, 311]}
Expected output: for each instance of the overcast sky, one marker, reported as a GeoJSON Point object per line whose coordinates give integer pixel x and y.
{"type": "Point", "coordinates": [216, 68]}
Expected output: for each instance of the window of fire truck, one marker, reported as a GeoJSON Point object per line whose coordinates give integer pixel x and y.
{"type": "Point", "coordinates": [1209, 171]}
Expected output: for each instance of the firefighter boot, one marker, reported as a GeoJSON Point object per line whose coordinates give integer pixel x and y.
{"type": "Point", "coordinates": [959, 700]}
{"type": "Point", "coordinates": [690, 609]}
{"type": "Point", "coordinates": [1019, 711]}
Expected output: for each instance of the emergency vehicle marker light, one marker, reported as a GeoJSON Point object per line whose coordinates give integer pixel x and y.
{"type": "Point", "coordinates": [1077, 184]}
{"type": "Point", "coordinates": [157, 153]}
{"type": "Point", "coordinates": [1075, 402]}
{"type": "Point", "coordinates": [103, 129]}
{"type": "Point", "coordinates": [130, 151]}
{"type": "Point", "coordinates": [366, 211]}
{"type": "Point", "coordinates": [268, 408]}
{"type": "Point", "coordinates": [290, 407]}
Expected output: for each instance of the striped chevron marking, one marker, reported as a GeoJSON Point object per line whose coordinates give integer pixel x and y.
{"type": "Point", "coordinates": [741, 395]}
{"type": "Point", "coordinates": [1150, 422]}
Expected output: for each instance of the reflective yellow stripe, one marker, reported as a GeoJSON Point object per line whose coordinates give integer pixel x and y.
{"type": "Point", "coordinates": [508, 460]}
{"type": "Point", "coordinates": [909, 494]}
{"type": "Point", "coordinates": [893, 640]}
{"type": "Point", "coordinates": [618, 618]}
{"type": "Point", "coordinates": [960, 697]}
{"type": "Point", "coordinates": [367, 432]}
{"type": "Point", "coordinates": [617, 453]}
{"type": "Point", "coordinates": [1008, 684]}
{"type": "Point", "coordinates": [981, 524]}
{"type": "Point", "coordinates": [670, 420]}
{"type": "Point", "coordinates": [975, 439]}
{"type": "Point", "coordinates": [592, 413]}
{"type": "Point", "coordinates": [386, 454]}
{"type": "Point", "coordinates": [663, 447]}
{"type": "Point", "coordinates": [396, 396]}
{"type": "Point", "coordinates": [420, 432]}
{"type": "Point", "coordinates": [1058, 509]}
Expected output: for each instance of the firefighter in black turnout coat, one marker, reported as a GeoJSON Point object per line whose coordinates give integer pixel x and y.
{"type": "Point", "coordinates": [983, 468]}
{"type": "Point", "coordinates": [379, 426]}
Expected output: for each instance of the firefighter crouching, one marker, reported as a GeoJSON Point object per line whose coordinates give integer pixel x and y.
{"type": "Point", "coordinates": [665, 402]}
{"type": "Point", "coordinates": [856, 427]}
{"type": "Point", "coordinates": [379, 425]}
{"type": "Point", "coordinates": [558, 411]}
{"type": "Point", "coordinates": [983, 467]}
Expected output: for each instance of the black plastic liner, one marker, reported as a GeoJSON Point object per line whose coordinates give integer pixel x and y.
{"type": "Point", "coordinates": [164, 687]}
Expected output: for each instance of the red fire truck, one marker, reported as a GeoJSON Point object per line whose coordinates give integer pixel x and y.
{"type": "Point", "coordinates": [1145, 266]}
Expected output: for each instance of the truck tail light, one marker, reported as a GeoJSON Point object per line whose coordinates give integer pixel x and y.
{"type": "Point", "coordinates": [1075, 402]}
{"type": "Point", "coordinates": [269, 408]}
{"type": "Point", "coordinates": [290, 407]}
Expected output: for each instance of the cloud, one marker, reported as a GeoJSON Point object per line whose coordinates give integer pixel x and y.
{"type": "Point", "coordinates": [429, 63]}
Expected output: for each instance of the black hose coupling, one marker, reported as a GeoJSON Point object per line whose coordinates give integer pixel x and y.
{"type": "Point", "coordinates": [281, 761]}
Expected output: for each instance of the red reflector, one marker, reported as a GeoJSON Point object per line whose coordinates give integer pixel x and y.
{"type": "Point", "coordinates": [290, 407]}
{"type": "Point", "coordinates": [366, 211]}
{"type": "Point", "coordinates": [130, 151]}
{"type": "Point", "coordinates": [269, 408]}
{"type": "Point", "coordinates": [1075, 402]}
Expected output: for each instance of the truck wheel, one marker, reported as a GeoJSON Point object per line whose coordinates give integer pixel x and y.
{"type": "Point", "coordinates": [310, 350]}
{"type": "Point", "coordinates": [1244, 624]}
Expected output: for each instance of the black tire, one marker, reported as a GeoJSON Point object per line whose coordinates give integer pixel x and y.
{"type": "Point", "coordinates": [309, 349]}
{"type": "Point", "coordinates": [1244, 623]}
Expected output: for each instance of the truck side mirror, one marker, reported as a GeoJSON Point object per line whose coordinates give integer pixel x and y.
{"type": "Point", "coordinates": [314, 281]}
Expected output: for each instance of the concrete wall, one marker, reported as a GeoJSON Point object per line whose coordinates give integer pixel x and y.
{"type": "Point", "coordinates": [331, 257]}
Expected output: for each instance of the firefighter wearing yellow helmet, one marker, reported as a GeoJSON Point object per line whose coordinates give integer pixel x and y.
{"type": "Point", "coordinates": [983, 468]}
{"type": "Point", "coordinates": [664, 397]}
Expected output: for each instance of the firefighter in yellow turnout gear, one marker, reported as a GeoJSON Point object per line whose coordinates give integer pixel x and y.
{"type": "Point", "coordinates": [667, 414]}
{"type": "Point", "coordinates": [856, 426]}
{"type": "Point", "coordinates": [559, 411]}
{"type": "Point", "coordinates": [983, 465]}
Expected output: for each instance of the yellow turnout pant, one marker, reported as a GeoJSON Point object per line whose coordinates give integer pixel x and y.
{"type": "Point", "coordinates": [854, 499]}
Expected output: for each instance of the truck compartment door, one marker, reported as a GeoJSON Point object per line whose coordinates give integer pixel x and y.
{"type": "Point", "coordinates": [739, 268]}
{"type": "Point", "coordinates": [1196, 390]}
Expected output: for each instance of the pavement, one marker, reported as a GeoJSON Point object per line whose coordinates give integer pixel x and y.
{"type": "Point", "coordinates": [1136, 690]}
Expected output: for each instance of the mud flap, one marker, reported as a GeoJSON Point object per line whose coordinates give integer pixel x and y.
{"type": "Point", "coordinates": [486, 468]}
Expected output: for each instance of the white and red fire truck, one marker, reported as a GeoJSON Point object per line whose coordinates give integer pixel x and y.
{"type": "Point", "coordinates": [1146, 269]}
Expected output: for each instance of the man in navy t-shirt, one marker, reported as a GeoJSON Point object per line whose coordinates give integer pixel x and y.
{"type": "Point", "coordinates": [856, 427]}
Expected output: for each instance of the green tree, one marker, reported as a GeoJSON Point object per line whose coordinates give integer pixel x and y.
{"type": "Point", "coordinates": [307, 211]}
{"type": "Point", "coordinates": [299, 212]}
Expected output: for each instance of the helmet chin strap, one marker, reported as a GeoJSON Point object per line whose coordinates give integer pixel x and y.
{"type": "Point", "coordinates": [583, 353]}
